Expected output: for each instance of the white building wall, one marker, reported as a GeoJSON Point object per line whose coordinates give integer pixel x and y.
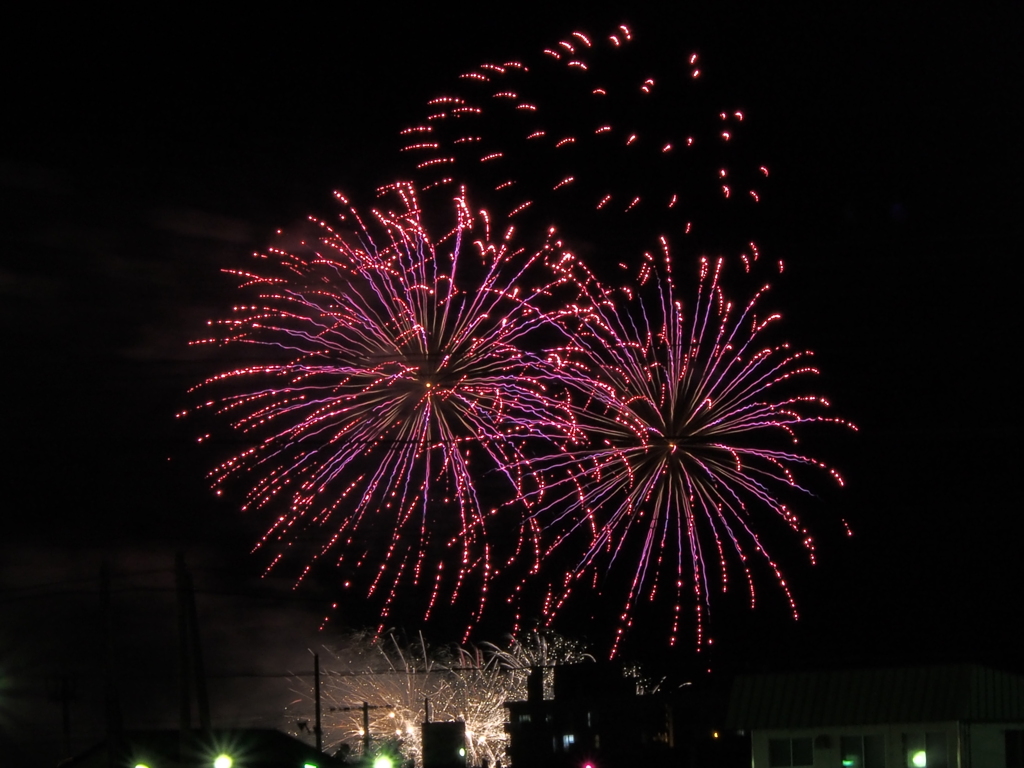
{"type": "Point", "coordinates": [986, 743]}
{"type": "Point", "coordinates": [827, 741]}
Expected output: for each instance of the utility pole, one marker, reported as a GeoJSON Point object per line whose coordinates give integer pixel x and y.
{"type": "Point", "coordinates": [65, 711]}
{"type": "Point", "coordinates": [366, 729]}
{"type": "Point", "coordinates": [184, 688]}
{"type": "Point", "coordinates": [111, 704]}
{"type": "Point", "coordinates": [191, 655]}
{"type": "Point", "coordinates": [317, 729]}
{"type": "Point", "coordinates": [366, 707]}
{"type": "Point", "coordinates": [63, 692]}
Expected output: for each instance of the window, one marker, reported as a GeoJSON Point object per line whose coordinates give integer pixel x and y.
{"type": "Point", "coordinates": [862, 751]}
{"type": "Point", "coordinates": [1014, 749]}
{"type": "Point", "coordinates": [925, 750]}
{"type": "Point", "coordinates": [568, 740]}
{"type": "Point", "coordinates": [788, 753]}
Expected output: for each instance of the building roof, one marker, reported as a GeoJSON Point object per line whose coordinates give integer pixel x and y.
{"type": "Point", "coordinates": [965, 692]}
{"type": "Point", "coordinates": [252, 747]}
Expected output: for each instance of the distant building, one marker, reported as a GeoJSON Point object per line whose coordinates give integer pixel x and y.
{"type": "Point", "coordinates": [963, 716]}
{"type": "Point", "coordinates": [594, 718]}
{"type": "Point", "coordinates": [236, 748]}
{"type": "Point", "coordinates": [444, 744]}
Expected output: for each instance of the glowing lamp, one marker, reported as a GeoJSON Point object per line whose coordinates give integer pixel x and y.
{"type": "Point", "coordinates": [382, 761]}
{"type": "Point", "coordinates": [223, 761]}
{"type": "Point", "coordinates": [919, 759]}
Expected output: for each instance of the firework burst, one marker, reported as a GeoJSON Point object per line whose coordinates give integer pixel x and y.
{"type": "Point", "coordinates": [416, 393]}
{"type": "Point", "coordinates": [692, 413]}
{"type": "Point", "coordinates": [617, 145]}
{"type": "Point", "coordinates": [466, 685]}
{"type": "Point", "coordinates": [396, 381]}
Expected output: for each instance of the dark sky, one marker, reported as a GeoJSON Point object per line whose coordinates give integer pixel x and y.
{"type": "Point", "coordinates": [143, 155]}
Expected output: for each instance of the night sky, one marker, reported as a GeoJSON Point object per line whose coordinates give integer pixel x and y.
{"type": "Point", "coordinates": [144, 155]}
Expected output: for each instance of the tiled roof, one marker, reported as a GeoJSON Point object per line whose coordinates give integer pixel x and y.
{"type": "Point", "coordinates": [964, 692]}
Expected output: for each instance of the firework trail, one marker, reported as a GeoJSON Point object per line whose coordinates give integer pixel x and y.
{"type": "Point", "coordinates": [466, 685]}
{"type": "Point", "coordinates": [692, 412]}
{"type": "Point", "coordinates": [619, 149]}
{"type": "Point", "coordinates": [417, 392]}
{"type": "Point", "coordinates": [395, 385]}
{"type": "Point", "coordinates": [686, 409]}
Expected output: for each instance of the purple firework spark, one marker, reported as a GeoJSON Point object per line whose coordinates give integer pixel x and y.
{"type": "Point", "coordinates": [395, 380]}
{"type": "Point", "coordinates": [685, 409]}
{"type": "Point", "coordinates": [402, 378]}
{"type": "Point", "coordinates": [598, 132]}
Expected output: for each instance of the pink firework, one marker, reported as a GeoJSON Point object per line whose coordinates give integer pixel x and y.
{"type": "Point", "coordinates": [691, 413]}
{"type": "Point", "coordinates": [622, 150]}
{"type": "Point", "coordinates": [394, 394]}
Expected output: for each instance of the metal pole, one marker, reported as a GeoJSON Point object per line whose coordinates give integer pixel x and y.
{"type": "Point", "coordinates": [184, 665]}
{"type": "Point", "coordinates": [113, 712]}
{"type": "Point", "coordinates": [199, 669]}
{"type": "Point", "coordinates": [317, 730]}
{"type": "Point", "coordinates": [366, 729]}
{"type": "Point", "coordinates": [65, 711]}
